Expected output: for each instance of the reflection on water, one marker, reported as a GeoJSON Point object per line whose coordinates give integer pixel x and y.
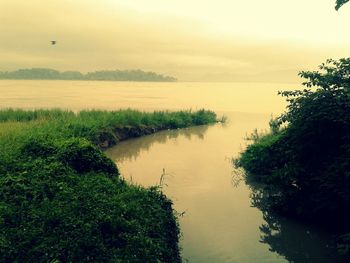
{"type": "Point", "coordinates": [131, 149]}
{"type": "Point", "coordinates": [295, 241]}
{"type": "Point", "coordinates": [219, 225]}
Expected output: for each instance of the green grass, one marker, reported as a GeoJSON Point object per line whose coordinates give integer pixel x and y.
{"type": "Point", "coordinates": [103, 128]}
{"type": "Point", "coordinates": [61, 198]}
{"type": "Point", "coordinates": [260, 158]}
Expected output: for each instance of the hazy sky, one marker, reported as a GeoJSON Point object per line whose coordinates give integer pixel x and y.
{"type": "Point", "coordinates": [221, 40]}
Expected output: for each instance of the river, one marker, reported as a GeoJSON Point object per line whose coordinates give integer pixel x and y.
{"type": "Point", "coordinates": [218, 223]}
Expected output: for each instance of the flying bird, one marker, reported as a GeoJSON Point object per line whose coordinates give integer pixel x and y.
{"type": "Point", "coordinates": [53, 42]}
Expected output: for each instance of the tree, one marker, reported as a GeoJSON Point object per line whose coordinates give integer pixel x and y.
{"type": "Point", "coordinates": [302, 168]}
{"type": "Point", "coordinates": [306, 161]}
{"type": "Point", "coordinates": [340, 3]}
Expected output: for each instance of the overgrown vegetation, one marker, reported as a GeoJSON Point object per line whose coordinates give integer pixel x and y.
{"type": "Point", "coordinates": [61, 199]}
{"type": "Point", "coordinates": [303, 164]}
{"type": "Point", "coordinates": [340, 3]}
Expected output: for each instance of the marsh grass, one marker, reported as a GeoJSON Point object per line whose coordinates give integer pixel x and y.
{"type": "Point", "coordinates": [99, 125]}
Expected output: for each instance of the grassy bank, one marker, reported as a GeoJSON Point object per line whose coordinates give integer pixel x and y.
{"type": "Point", "coordinates": [62, 199]}
{"type": "Point", "coordinates": [103, 128]}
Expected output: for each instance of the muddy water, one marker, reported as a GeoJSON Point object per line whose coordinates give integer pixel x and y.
{"type": "Point", "coordinates": [239, 97]}
{"type": "Point", "coordinates": [218, 223]}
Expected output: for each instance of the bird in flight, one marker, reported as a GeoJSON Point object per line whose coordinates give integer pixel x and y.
{"type": "Point", "coordinates": [53, 42]}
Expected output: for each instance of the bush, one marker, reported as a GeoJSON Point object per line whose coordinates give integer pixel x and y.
{"type": "Point", "coordinates": [84, 157]}
{"type": "Point", "coordinates": [311, 153]}
{"type": "Point", "coordinates": [305, 164]}
{"type": "Point", "coordinates": [66, 203]}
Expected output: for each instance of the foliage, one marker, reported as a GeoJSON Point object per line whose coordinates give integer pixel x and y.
{"type": "Point", "coordinates": [57, 207]}
{"type": "Point", "coordinates": [340, 3]}
{"type": "Point", "coordinates": [304, 166]}
{"type": "Point", "coordinates": [108, 75]}
{"type": "Point", "coordinates": [61, 199]}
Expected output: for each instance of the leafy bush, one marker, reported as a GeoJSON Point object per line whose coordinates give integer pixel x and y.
{"type": "Point", "coordinates": [65, 202]}
{"type": "Point", "coordinates": [305, 165]}
{"type": "Point", "coordinates": [340, 3]}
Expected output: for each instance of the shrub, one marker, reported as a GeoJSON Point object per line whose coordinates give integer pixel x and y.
{"type": "Point", "coordinates": [305, 166]}
{"type": "Point", "coordinates": [66, 203]}
{"type": "Point", "coordinates": [311, 154]}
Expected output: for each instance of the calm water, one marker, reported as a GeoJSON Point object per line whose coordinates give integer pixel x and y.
{"type": "Point", "coordinates": [237, 97]}
{"type": "Point", "coordinates": [219, 224]}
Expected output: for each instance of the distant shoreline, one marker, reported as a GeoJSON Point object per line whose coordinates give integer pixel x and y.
{"type": "Point", "coordinates": [102, 75]}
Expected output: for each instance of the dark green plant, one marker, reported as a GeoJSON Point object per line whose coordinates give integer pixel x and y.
{"type": "Point", "coordinates": [340, 3]}
{"type": "Point", "coordinates": [304, 164]}
{"type": "Point", "coordinates": [64, 202]}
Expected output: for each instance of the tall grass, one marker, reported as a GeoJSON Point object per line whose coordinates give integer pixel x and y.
{"type": "Point", "coordinates": [178, 119]}
{"type": "Point", "coordinates": [99, 126]}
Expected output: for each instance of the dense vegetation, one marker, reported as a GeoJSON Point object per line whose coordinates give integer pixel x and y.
{"type": "Point", "coordinates": [108, 75]}
{"type": "Point", "coordinates": [340, 3]}
{"type": "Point", "coordinates": [61, 199]}
{"type": "Point", "coordinates": [303, 165]}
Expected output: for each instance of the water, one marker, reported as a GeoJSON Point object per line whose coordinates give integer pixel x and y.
{"type": "Point", "coordinates": [218, 224]}
{"type": "Point", "coordinates": [237, 97]}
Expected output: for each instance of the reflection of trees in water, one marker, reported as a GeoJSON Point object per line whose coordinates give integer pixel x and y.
{"type": "Point", "coordinates": [131, 149]}
{"type": "Point", "coordinates": [295, 241]}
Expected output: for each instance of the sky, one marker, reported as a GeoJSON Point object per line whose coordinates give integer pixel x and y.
{"type": "Point", "coordinates": [193, 40]}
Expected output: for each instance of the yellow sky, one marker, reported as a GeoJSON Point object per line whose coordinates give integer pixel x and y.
{"type": "Point", "coordinates": [221, 40]}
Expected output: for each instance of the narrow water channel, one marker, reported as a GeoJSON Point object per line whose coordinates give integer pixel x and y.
{"type": "Point", "coordinates": [219, 224]}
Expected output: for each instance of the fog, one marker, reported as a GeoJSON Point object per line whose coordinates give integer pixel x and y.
{"type": "Point", "coordinates": [192, 41]}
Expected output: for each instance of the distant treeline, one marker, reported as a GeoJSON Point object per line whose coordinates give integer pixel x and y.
{"type": "Point", "coordinates": [111, 75]}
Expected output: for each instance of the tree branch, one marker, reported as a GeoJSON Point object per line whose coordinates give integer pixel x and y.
{"type": "Point", "coordinates": [340, 3]}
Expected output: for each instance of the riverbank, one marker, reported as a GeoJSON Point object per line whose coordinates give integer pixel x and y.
{"type": "Point", "coordinates": [62, 198]}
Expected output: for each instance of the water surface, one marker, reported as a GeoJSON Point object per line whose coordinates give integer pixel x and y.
{"type": "Point", "coordinates": [240, 97]}
{"type": "Point", "coordinates": [218, 224]}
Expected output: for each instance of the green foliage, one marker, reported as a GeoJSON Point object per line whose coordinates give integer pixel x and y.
{"type": "Point", "coordinates": [108, 75]}
{"type": "Point", "coordinates": [61, 199]}
{"type": "Point", "coordinates": [305, 166]}
{"type": "Point", "coordinates": [79, 154]}
{"type": "Point", "coordinates": [54, 209]}
{"type": "Point", "coordinates": [260, 158]}
{"type": "Point", "coordinates": [340, 3]}
{"type": "Point", "coordinates": [19, 115]}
